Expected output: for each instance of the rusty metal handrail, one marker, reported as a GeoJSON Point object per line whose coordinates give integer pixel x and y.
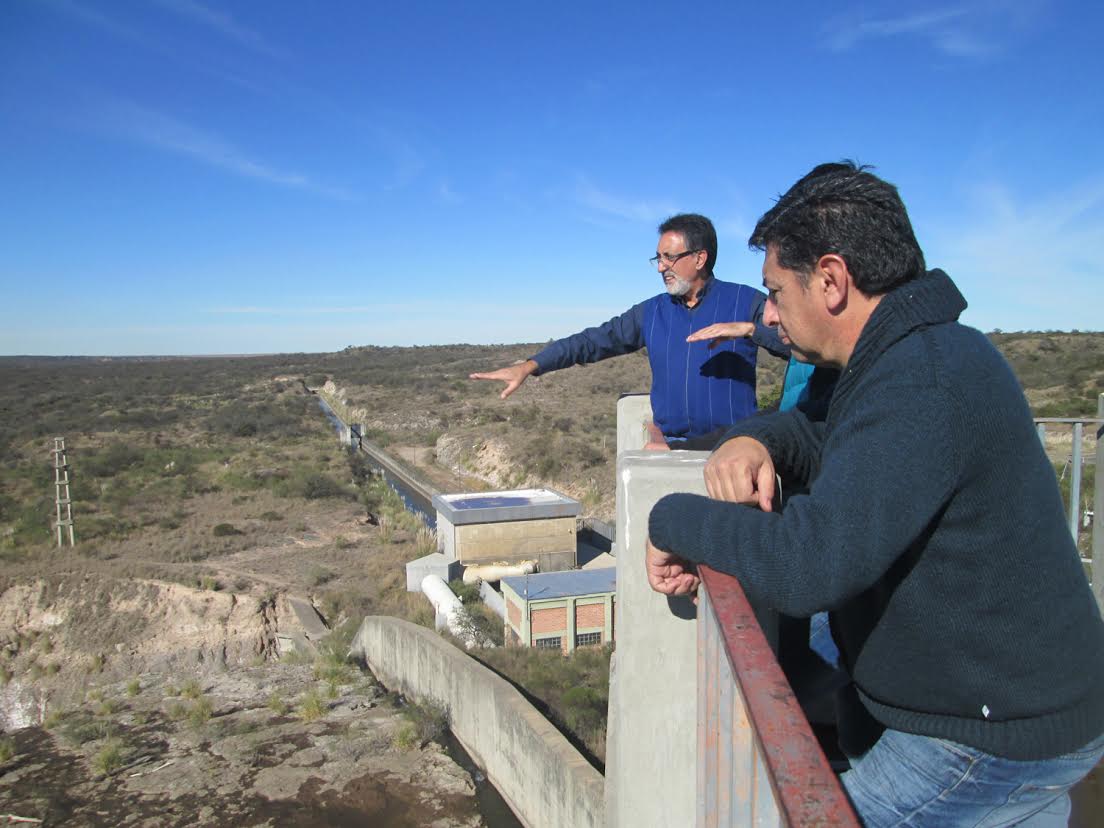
{"type": "Point", "coordinates": [763, 715]}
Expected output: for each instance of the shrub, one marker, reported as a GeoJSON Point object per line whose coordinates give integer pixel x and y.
{"type": "Point", "coordinates": [109, 758]}
{"type": "Point", "coordinates": [111, 460]}
{"type": "Point", "coordinates": [467, 593]}
{"type": "Point", "coordinates": [317, 486]}
{"type": "Point", "coordinates": [200, 712]}
{"type": "Point", "coordinates": [134, 687]}
{"type": "Point", "coordinates": [7, 749]}
{"type": "Point", "coordinates": [191, 689]}
{"type": "Point", "coordinates": [429, 721]}
{"type": "Point", "coordinates": [319, 575]}
{"type": "Point", "coordinates": [108, 707]}
{"type": "Point", "coordinates": [277, 705]}
{"type": "Point", "coordinates": [224, 530]}
{"type": "Point", "coordinates": [406, 737]}
{"type": "Point", "coordinates": [311, 707]}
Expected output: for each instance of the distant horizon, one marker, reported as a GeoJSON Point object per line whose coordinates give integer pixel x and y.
{"type": "Point", "coordinates": [189, 178]}
{"type": "Point", "coordinates": [213, 355]}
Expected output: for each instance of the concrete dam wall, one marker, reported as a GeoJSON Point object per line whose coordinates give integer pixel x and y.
{"type": "Point", "coordinates": [541, 776]}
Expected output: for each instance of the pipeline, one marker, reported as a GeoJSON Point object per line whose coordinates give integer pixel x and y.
{"type": "Point", "coordinates": [497, 571]}
{"type": "Point", "coordinates": [448, 609]}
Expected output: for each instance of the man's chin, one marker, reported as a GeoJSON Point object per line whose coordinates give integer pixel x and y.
{"type": "Point", "coordinates": [676, 287]}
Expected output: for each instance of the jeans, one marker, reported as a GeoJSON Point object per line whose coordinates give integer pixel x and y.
{"type": "Point", "coordinates": [909, 780]}
{"type": "Point", "coordinates": [821, 641]}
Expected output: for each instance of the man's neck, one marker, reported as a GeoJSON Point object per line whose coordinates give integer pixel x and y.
{"type": "Point", "coordinates": [697, 288]}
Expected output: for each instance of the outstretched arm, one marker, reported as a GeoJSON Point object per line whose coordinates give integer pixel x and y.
{"type": "Point", "coordinates": [766, 336]}
{"type": "Point", "coordinates": [513, 376]}
{"type": "Point", "coordinates": [722, 332]}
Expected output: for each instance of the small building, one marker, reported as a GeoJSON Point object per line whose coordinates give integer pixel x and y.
{"type": "Point", "coordinates": [512, 526]}
{"type": "Point", "coordinates": [561, 610]}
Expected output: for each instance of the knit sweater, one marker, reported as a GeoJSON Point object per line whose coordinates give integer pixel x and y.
{"type": "Point", "coordinates": [932, 531]}
{"type": "Point", "coordinates": [695, 389]}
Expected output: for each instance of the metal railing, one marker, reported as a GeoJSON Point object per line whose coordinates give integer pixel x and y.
{"type": "Point", "coordinates": [758, 760]}
{"type": "Point", "coordinates": [1081, 517]}
{"type": "Point", "coordinates": [701, 718]}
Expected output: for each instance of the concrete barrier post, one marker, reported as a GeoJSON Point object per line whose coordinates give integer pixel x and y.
{"type": "Point", "coordinates": [651, 737]}
{"type": "Point", "coordinates": [634, 412]}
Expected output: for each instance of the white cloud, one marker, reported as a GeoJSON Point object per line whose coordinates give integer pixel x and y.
{"type": "Point", "coordinates": [1028, 263]}
{"type": "Point", "coordinates": [972, 29]}
{"type": "Point", "coordinates": [133, 122]}
{"type": "Point", "coordinates": [221, 22]}
{"type": "Point", "coordinates": [643, 210]}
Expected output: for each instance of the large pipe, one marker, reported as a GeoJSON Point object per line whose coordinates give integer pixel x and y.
{"type": "Point", "coordinates": [497, 571]}
{"type": "Point", "coordinates": [447, 607]}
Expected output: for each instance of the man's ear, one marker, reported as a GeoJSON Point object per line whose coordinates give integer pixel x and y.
{"type": "Point", "coordinates": [701, 261]}
{"type": "Point", "coordinates": [835, 281]}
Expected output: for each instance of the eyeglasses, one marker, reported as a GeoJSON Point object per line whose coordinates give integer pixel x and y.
{"type": "Point", "coordinates": [670, 260]}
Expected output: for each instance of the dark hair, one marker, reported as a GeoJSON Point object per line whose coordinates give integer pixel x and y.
{"type": "Point", "coordinates": [698, 232]}
{"type": "Point", "coordinates": [843, 209]}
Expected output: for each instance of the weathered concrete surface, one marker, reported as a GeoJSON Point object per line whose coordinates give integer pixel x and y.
{"type": "Point", "coordinates": [312, 625]}
{"type": "Point", "coordinates": [435, 563]}
{"type": "Point", "coordinates": [651, 733]}
{"type": "Point", "coordinates": [634, 412]}
{"type": "Point", "coordinates": [540, 775]}
{"type": "Point", "coordinates": [514, 540]}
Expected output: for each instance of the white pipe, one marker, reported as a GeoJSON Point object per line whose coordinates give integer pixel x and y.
{"type": "Point", "coordinates": [447, 607]}
{"type": "Point", "coordinates": [497, 571]}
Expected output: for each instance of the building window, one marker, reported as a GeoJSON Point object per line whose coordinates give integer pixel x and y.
{"type": "Point", "coordinates": [588, 639]}
{"type": "Point", "coordinates": [549, 643]}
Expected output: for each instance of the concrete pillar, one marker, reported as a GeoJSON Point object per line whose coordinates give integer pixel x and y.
{"type": "Point", "coordinates": [651, 737]}
{"type": "Point", "coordinates": [1098, 510]}
{"type": "Point", "coordinates": [634, 411]}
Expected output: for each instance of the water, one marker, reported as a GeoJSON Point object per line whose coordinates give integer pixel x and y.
{"type": "Point", "coordinates": [415, 502]}
{"type": "Point", "coordinates": [496, 813]}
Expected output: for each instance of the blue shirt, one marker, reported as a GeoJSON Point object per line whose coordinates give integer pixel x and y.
{"type": "Point", "coordinates": [695, 389]}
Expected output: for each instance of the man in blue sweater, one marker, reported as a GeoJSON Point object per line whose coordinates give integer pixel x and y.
{"type": "Point", "coordinates": [698, 385]}
{"type": "Point", "coordinates": [932, 531]}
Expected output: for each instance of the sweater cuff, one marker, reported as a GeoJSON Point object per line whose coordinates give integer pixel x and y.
{"type": "Point", "coordinates": [670, 529]}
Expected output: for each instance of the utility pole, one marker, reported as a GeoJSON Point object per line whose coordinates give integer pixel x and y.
{"type": "Point", "coordinates": [63, 499]}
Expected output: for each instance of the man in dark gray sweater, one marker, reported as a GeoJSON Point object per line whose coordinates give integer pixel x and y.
{"type": "Point", "coordinates": [932, 530]}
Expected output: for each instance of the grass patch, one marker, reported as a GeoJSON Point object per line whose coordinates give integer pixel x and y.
{"type": "Point", "coordinates": [109, 758]}
{"type": "Point", "coordinates": [200, 712]}
{"type": "Point", "coordinates": [311, 706]}
{"type": "Point", "coordinates": [278, 705]}
{"type": "Point", "coordinates": [191, 689]}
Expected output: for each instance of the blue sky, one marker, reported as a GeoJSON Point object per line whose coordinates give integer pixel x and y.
{"type": "Point", "coordinates": [189, 177]}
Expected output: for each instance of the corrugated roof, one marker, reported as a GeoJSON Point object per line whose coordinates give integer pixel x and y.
{"type": "Point", "coordinates": [548, 585]}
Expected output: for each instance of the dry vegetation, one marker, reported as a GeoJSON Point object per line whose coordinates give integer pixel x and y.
{"type": "Point", "coordinates": [222, 475]}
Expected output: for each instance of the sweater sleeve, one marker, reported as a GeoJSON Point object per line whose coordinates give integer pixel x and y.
{"type": "Point", "coordinates": [621, 335]}
{"type": "Point", "coordinates": [793, 440]}
{"type": "Point", "coordinates": [886, 473]}
{"type": "Point", "coordinates": [766, 336]}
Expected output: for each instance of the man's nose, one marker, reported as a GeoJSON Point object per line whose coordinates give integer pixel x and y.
{"type": "Point", "coordinates": [770, 313]}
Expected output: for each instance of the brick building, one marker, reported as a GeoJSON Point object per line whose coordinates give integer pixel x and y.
{"type": "Point", "coordinates": [561, 610]}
